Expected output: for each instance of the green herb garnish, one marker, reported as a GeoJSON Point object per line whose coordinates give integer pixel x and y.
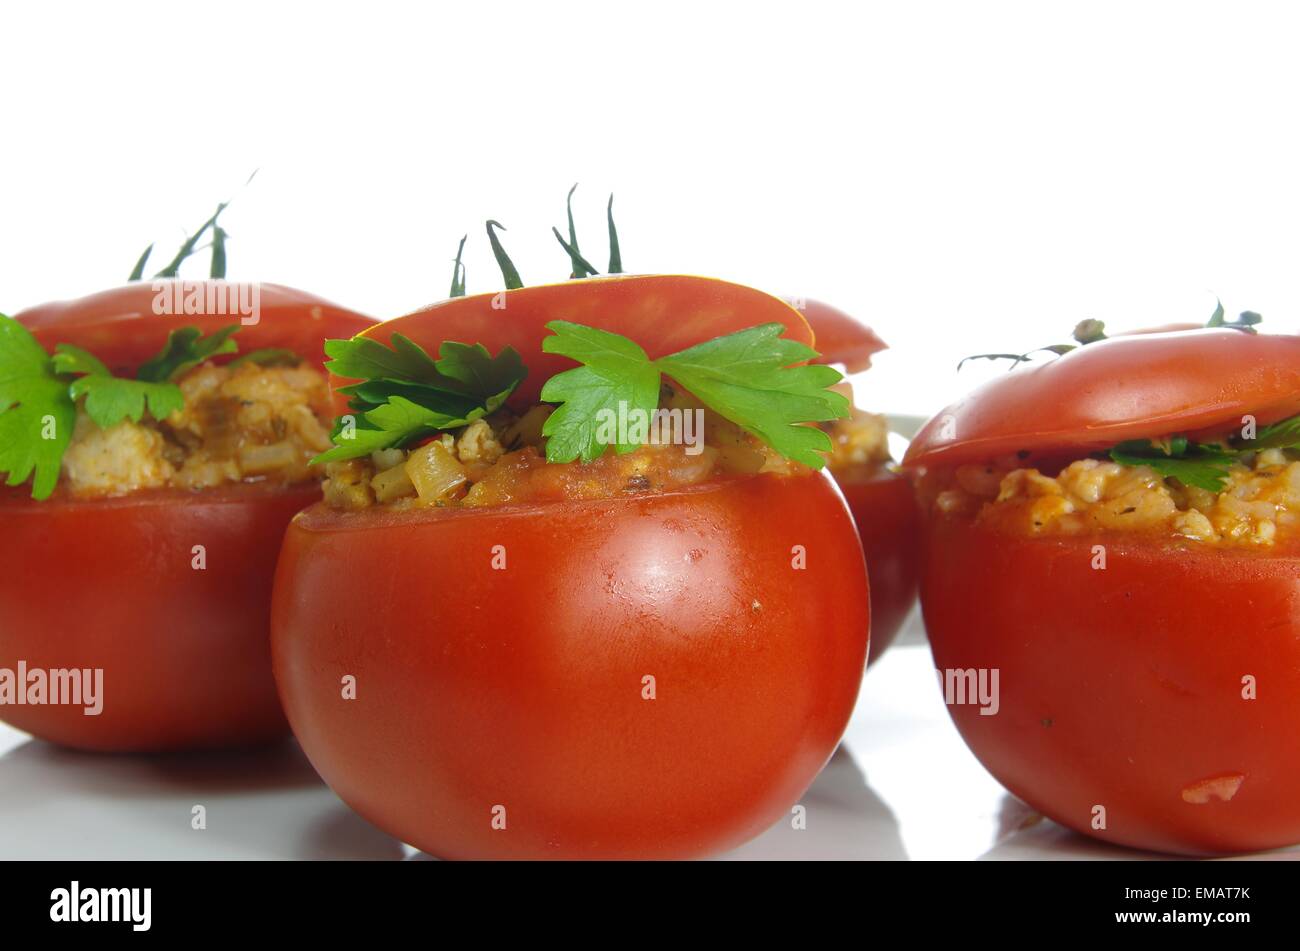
{"type": "Point", "coordinates": [405, 395]}
{"type": "Point", "coordinates": [36, 411]}
{"type": "Point", "coordinates": [746, 377]}
{"type": "Point", "coordinates": [1197, 464]}
{"type": "Point", "coordinates": [1204, 465]}
{"type": "Point", "coordinates": [39, 393]}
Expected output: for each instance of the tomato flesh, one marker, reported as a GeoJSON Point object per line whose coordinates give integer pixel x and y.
{"type": "Point", "coordinates": [514, 691]}
{"type": "Point", "coordinates": [1124, 687]}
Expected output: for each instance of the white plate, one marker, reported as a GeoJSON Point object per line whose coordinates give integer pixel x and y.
{"type": "Point", "coordinates": [902, 786]}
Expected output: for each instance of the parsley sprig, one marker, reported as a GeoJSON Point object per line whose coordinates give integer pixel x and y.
{"type": "Point", "coordinates": [748, 377]}
{"type": "Point", "coordinates": [1204, 465]}
{"type": "Point", "coordinates": [39, 394]}
{"type": "Point", "coordinates": [405, 395]}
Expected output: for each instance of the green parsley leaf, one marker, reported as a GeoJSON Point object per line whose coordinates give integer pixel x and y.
{"type": "Point", "coordinates": [405, 395]}
{"type": "Point", "coordinates": [36, 411]}
{"type": "Point", "coordinates": [1196, 464]}
{"type": "Point", "coordinates": [615, 371]}
{"type": "Point", "coordinates": [185, 349]}
{"type": "Point", "coordinates": [1284, 434]}
{"type": "Point", "coordinates": [745, 376]}
{"type": "Point", "coordinates": [111, 399]}
{"type": "Point", "coordinates": [748, 378]}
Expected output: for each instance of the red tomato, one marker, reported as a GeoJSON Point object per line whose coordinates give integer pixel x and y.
{"type": "Point", "coordinates": [884, 506]}
{"type": "Point", "coordinates": [888, 520]}
{"type": "Point", "coordinates": [839, 337]}
{"type": "Point", "coordinates": [524, 688]}
{"type": "Point", "coordinates": [658, 675]}
{"type": "Point", "coordinates": [1133, 387]}
{"type": "Point", "coordinates": [110, 583]}
{"type": "Point", "coordinates": [1123, 688]}
{"type": "Point", "coordinates": [127, 325]}
{"type": "Point", "coordinates": [1125, 683]}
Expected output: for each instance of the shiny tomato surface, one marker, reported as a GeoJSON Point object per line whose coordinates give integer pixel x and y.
{"type": "Point", "coordinates": [1128, 688]}
{"type": "Point", "coordinates": [888, 520]}
{"type": "Point", "coordinates": [127, 325]}
{"type": "Point", "coordinates": [840, 338]}
{"type": "Point", "coordinates": [110, 583]}
{"type": "Point", "coordinates": [644, 677]}
{"type": "Point", "coordinates": [1133, 387]}
{"type": "Point", "coordinates": [883, 504]}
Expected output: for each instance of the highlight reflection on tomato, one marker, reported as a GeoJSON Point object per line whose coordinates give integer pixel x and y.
{"type": "Point", "coordinates": [166, 590]}
{"type": "Point", "coordinates": [653, 674]}
{"type": "Point", "coordinates": [1136, 590]}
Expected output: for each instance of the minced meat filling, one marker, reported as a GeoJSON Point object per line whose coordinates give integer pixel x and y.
{"type": "Point", "coordinates": [859, 445]}
{"type": "Point", "coordinates": [240, 423]}
{"type": "Point", "coordinates": [502, 458]}
{"type": "Point", "coordinates": [1259, 502]}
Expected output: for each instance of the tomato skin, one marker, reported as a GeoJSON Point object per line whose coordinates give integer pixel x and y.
{"type": "Point", "coordinates": [888, 520]}
{"type": "Point", "coordinates": [110, 584]}
{"type": "Point", "coordinates": [523, 687]}
{"type": "Point", "coordinates": [121, 327]}
{"type": "Point", "coordinates": [1132, 387]}
{"type": "Point", "coordinates": [839, 338]}
{"type": "Point", "coordinates": [1123, 687]}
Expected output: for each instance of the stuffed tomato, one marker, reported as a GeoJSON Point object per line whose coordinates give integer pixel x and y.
{"type": "Point", "coordinates": [1116, 534]}
{"type": "Point", "coordinates": [880, 497]}
{"type": "Point", "coordinates": [509, 633]}
{"type": "Point", "coordinates": [167, 430]}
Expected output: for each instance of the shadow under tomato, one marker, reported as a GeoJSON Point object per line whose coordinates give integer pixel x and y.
{"type": "Point", "coordinates": [266, 803]}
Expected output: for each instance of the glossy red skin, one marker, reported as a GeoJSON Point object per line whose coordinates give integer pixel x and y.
{"type": "Point", "coordinates": [661, 313]}
{"type": "Point", "coordinates": [1122, 687]}
{"type": "Point", "coordinates": [884, 507]}
{"type": "Point", "coordinates": [523, 687]}
{"type": "Point", "coordinates": [888, 520]}
{"type": "Point", "coordinates": [108, 582]}
{"type": "Point", "coordinates": [121, 328]}
{"type": "Point", "coordinates": [839, 338]}
{"type": "Point", "coordinates": [1133, 387]}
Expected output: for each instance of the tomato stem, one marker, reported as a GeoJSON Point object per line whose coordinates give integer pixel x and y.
{"type": "Point", "coordinates": [137, 272]}
{"type": "Point", "coordinates": [615, 257]}
{"type": "Point", "coordinates": [508, 270]}
{"type": "Point", "coordinates": [458, 271]}
{"type": "Point", "coordinates": [581, 267]}
{"type": "Point", "coordinates": [217, 270]}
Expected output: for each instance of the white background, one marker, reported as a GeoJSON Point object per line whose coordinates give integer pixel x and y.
{"type": "Point", "coordinates": [966, 177]}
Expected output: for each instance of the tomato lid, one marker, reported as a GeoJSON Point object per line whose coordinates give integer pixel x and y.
{"type": "Point", "coordinates": [1142, 386]}
{"type": "Point", "coordinates": [840, 338]}
{"type": "Point", "coordinates": [126, 325]}
{"type": "Point", "coordinates": [661, 313]}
